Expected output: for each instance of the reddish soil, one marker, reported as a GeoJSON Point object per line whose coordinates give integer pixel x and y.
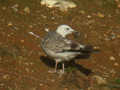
{"type": "Point", "coordinates": [24, 66]}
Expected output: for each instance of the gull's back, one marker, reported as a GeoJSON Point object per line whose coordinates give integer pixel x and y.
{"type": "Point", "coordinates": [52, 42]}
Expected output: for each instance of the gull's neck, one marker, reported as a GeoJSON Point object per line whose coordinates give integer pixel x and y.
{"type": "Point", "coordinates": [61, 34]}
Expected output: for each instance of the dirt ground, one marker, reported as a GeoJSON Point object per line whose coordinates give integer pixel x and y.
{"type": "Point", "coordinates": [24, 66]}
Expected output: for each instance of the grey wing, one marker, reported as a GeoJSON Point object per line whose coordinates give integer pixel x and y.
{"type": "Point", "coordinates": [72, 46]}
{"type": "Point", "coordinates": [77, 47]}
{"type": "Point", "coordinates": [54, 42]}
{"type": "Point", "coordinates": [61, 45]}
{"type": "Point", "coordinates": [67, 45]}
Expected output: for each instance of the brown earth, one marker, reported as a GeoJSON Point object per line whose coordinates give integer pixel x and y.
{"type": "Point", "coordinates": [23, 65]}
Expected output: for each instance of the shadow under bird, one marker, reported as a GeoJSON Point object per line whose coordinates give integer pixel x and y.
{"type": "Point", "coordinates": [56, 45]}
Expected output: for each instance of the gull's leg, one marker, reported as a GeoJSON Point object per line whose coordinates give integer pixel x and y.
{"type": "Point", "coordinates": [55, 70]}
{"type": "Point", "coordinates": [56, 63]}
{"type": "Point", "coordinates": [62, 71]}
{"type": "Point", "coordinates": [63, 68]}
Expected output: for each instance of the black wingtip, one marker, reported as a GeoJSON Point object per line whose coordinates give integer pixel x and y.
{"type": "Point", "coordinates": [87, 48]}
{"type": "Point", "coordinates": [90, 49]}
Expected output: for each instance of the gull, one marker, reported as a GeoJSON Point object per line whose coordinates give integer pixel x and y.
{"type": "Point", "coordinates": [57, 46]}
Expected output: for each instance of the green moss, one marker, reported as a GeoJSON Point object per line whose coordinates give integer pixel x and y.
{"type": "Point", "coordinates": [71, 69]}
{"type": "Point", "coordinates": [117, 81]}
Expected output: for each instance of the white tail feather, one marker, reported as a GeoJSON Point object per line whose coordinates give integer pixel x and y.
{"type": "Point", "coordinates": [31, 33]}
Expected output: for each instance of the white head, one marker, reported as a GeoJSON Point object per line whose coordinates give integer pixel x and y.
{"type": "Point", "coordinates": [64, 30]}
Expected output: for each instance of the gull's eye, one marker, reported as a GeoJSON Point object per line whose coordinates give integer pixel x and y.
{"type": "Point", "coordinates": [67, 28]}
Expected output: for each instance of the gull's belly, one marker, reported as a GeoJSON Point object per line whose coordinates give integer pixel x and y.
{"type": "Point", "coordinates": [63, 56]}
{"type": "Point", "coordinates": [67, 55]}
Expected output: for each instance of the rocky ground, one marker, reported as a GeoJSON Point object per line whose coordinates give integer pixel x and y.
{"type": "Point", "coordinates": [24, 66]}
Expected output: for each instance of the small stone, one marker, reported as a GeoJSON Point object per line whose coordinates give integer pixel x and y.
{"type": "Point", "coordinates": [27, 10]}
{"type": "Point", "coordinates": [4, 8]}
{"type": "Point", "coordinates": [65, 88]}
{"type": "Point", "coordinates": [22, 41]}
{"type": "Point", "coordinates": [34, 88]}
{"type": "Point", "coordinates": [86, 36]}
{"type": "Point", "coordinates": [52, 80]}
{"type": "Point", "coordinates": [118, 36]}
{"type": "Point", "coordinates": [47, 29]}
{"type": "Point", "coordinates": [43, 16]}
{"type": "Point", "coordinates": [6, 76]}
{"type": "Point", "coordinates": [118, 5]}
{"type": "Point", "coordinates": [117, 1]}
{"type": "Point", "coordinates": [100, 15]}
{"type": "Point", "coordinates": [100, 80]}
{"type": "Point", "coordinates": [96, 48]}
{"type": "Point", "coordinates": [31, 63]}
{"type": "Point", "coordinates": [116, 64]}
{"type": "Point", "coordinates": [112, 58]}
{"type": "Point", "coordinates": [82, 12]}
{"type": "Point", "coordinates": [113, 36]}
{"type": "Point", "coordinates": [30, 26]}
{"type": "Point", "coordinates": [109, 15]}
{"type": "Point", "coordinates": [112, 71]}
{"type": "Point", "coordinates": [41, 84]}
{"type": "Point", "coordinates": [53, 18]}
{"type": "Point", "coordinates": [118, 54]}
{"type": "Point", "coordinates": [0, 58]}
{"type": "Point", "coordinates": [90, 88]}
{"type": "Point", "coordinates": [27, 70]}
{"type": "Point", "coordinates": [10, 24]}
{"type": "Point", "coordinates": [26, 63]}
{"type": "Point", "coordinates": [89, 16]}
{"type": "Point", "coordinates": [2, 84]}
{"type": "Point", "coordinates": [15, 7]}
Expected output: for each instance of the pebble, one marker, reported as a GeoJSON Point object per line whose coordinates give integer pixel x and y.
{"type": "Point", "coordinates": [6, 76]}
{"type": "Point", "coordinates": [52, 80]}
{"type": "Point", "coordinates": [10, 24]}
{"type": "Point", "coordinates": [53, 18]}
{"type": "Point", "coordinates": [30, 26]}
{"type": "Point", "coordinates": [90, 21]}
{"type": "Point", "coordinates": [22, 41]}
{"type": "Point", "coordinates": [117, 1]}
{"type": "Point", "coordinates": [47, 29]}
{"type": "Point", "coordinates": [4, 8]}
{"type": "Point", "coordinates": [96, 48]}
{"type": "Point", "coordinates": [118, 54]}
{"type": "Point", "coordinates": [118, 36]}
{"type": "Point", "coordinates": [89, 16]}
{"type": "Point", "coordinates": [116, 64]}
{"type": "Point", "coordinates": [82, 12]}
{"type": "Point", "coordinates": [15, 7]}
{"type": "Point", "coordinates": [113, 36]}
{"type": "Point", "coordinates": [27, 70]}
{"type": "Point", "coordinates": [43, 16]}
{"type": "Point", "coordinates": [41, 84]}
{"type": "Point", "coordinates": [27, 10]}
{"type": "Point", "coordinates": [112, 58]}
{"type": "Point", "coordinates": [34, 88]}
{"type": "Point", "coordinates": [0, 58]}
{"type": "Point", "coordinates": [112, 71]}
{"type": "Point", "coordinates": [2, 84]}
{"type": "Point", "coordinates": [100, 15]}
{"type": "Point", "coordinates": [100, 80]}
{"type": "Point", "coordinates": [118, 5]}
{"type": "Point", "coordinates": [65, 88]}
